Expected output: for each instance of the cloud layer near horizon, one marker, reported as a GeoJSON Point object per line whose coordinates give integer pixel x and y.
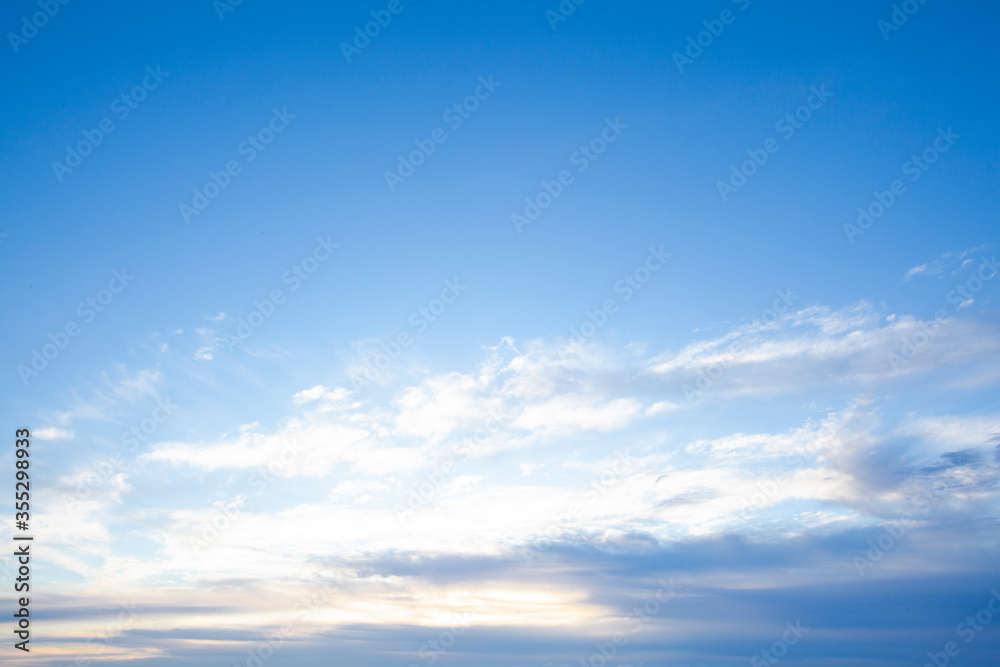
{"type": "Point", "coordinates": [489, 495]}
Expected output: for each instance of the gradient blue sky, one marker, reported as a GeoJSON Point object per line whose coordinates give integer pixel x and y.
{"type": "Point", "coordinates": [755, 492]}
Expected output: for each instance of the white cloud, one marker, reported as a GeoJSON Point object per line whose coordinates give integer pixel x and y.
{"type": "Point", "coordinates": [820, 345]}
{"type": "Point", "coordinates": [52, 433]}
{"type": "Point", "coordinates": [136, 385]}
{"type": "Point", "coordinates": [955, 261]}
{"type": "Point", "coordinates": [331, 397]}
{"type": "Point", "coordinates": [355, 457]}
{"type": "Point", "coordinates": [575, 413]}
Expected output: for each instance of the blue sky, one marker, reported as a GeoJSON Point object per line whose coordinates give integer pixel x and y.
{"type": "Point", "coordinates": [420, 419]}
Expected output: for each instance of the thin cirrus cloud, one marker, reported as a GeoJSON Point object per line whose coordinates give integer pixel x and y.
{"type": "Point", "coordinates": [819, 344]}
{"type": "Point", "coordinates": [947, 263]}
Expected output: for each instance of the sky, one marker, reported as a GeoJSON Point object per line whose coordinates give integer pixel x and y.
{"type": "Point", "coordinates": [438, 333]}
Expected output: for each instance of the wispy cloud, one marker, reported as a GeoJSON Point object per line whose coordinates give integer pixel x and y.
{"type": "Point", "coordinates": [332, 473]}
{"type": "Point", "coordinates": [953, 262]}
